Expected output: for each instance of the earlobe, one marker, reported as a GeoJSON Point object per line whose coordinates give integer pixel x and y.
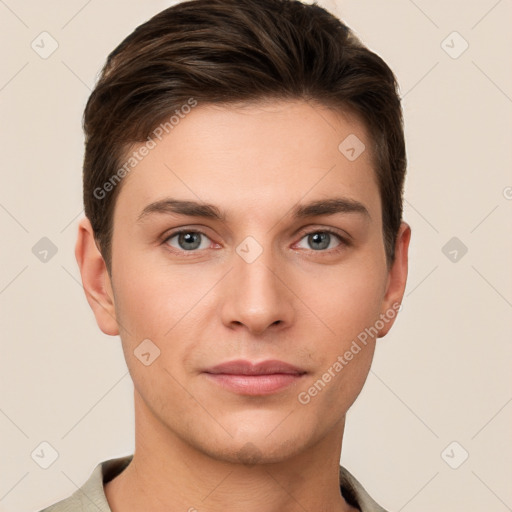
{"type": "Point", "coordinates": [95, 279]}
{"type": "Point", "coordinates": [397, 279]}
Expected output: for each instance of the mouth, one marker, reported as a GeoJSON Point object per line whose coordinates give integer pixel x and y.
{"type": "Point", "coordinates": [253, 379]}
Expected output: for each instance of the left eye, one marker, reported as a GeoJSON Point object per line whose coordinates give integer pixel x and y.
{"type": "Point", "coordinates": [320, 240]}
{"type": "Point", "coordinates": [189, 240]}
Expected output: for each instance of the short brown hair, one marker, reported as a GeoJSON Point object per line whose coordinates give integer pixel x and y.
{"type": "Point", "coordinates": [232, 51]}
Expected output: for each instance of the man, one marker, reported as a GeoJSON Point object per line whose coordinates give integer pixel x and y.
{"type": "Point", "coordinates": [243, 178]}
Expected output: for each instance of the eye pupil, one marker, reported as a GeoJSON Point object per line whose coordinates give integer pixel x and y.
{"type": "Point", "coordinates": [189, 240]}
{"type": "Point", "coordinates": [322, 239]}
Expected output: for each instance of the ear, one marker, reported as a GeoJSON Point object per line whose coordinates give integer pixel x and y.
{"type": "Point", "coordinates": [95, 279]}
{"type": "Point", "coordinates": [397, 279]}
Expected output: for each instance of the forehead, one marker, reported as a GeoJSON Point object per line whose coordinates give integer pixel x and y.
{"type": "Point", "coordinates": [256, 155]}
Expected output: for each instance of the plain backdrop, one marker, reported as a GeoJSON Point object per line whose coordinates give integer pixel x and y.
{"type": "Point", "coordinates": [431, 429]}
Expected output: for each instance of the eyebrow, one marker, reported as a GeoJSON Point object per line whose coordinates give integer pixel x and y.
{"type": "Point", "coordinates": [329, 206]}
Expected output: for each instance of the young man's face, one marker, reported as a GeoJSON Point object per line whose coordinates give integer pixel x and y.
{"type": "Point", "coordinates": [261, 284]}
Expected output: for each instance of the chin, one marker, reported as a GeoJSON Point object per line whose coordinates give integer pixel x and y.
{"type": "Point", "coordinates": [255, 448]}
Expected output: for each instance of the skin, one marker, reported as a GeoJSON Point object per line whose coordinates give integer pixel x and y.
{"type": "Point", "coordinates": [198, 445]}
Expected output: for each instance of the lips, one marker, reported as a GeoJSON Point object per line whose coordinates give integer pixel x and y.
{"type": "Point", "coordinates": [241, 367]}
{"type": "Point", "coordinates": [247, 378]}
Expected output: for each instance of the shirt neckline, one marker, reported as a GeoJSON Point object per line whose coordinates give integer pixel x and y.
{"type": "Point", "coordinates": [352, 491]}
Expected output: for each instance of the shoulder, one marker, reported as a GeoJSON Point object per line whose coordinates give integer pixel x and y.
{"type": "Point", "coordinates": [355, 494]}
{"type": "Point", "coordinates": [91, 495]}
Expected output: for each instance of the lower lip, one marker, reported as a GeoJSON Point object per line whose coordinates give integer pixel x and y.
{"type": "Point", "coordinates": [255, 384]}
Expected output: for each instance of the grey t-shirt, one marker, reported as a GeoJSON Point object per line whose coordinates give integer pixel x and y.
{"type": "Point", "coordinates": [91, 496]}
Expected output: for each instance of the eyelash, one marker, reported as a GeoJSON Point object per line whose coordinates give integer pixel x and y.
{"type": "Point", "coordinates": [344, 242]}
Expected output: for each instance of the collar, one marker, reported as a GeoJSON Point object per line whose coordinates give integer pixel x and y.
{"type": "Point", "coordinates": [91, 496]}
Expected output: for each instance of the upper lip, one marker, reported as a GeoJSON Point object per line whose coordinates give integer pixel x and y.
{"type": "Point", "coordinates": [242, 367]}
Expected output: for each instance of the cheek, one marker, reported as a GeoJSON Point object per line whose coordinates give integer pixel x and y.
{"type": "Point", "coordinates": [348, 304]}
{"type": "Point", "coordinates": [138, 304]}
{"type": "Point", "coordinates": [349, 301]}
{"type": "Point", "coordinates": [160, 304]}
{"type": "Point", "coordinates": [148, 298]}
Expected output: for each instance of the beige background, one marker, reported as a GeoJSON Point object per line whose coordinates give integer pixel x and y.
{"type": "Point", "coordinates": [441, 375]}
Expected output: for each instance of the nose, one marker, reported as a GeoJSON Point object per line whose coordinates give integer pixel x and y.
{"type": "Point", "coordinates": [256, 295]}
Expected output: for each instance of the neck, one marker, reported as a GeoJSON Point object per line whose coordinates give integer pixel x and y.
{"type": "Point", "coordinates": [168, 474]}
